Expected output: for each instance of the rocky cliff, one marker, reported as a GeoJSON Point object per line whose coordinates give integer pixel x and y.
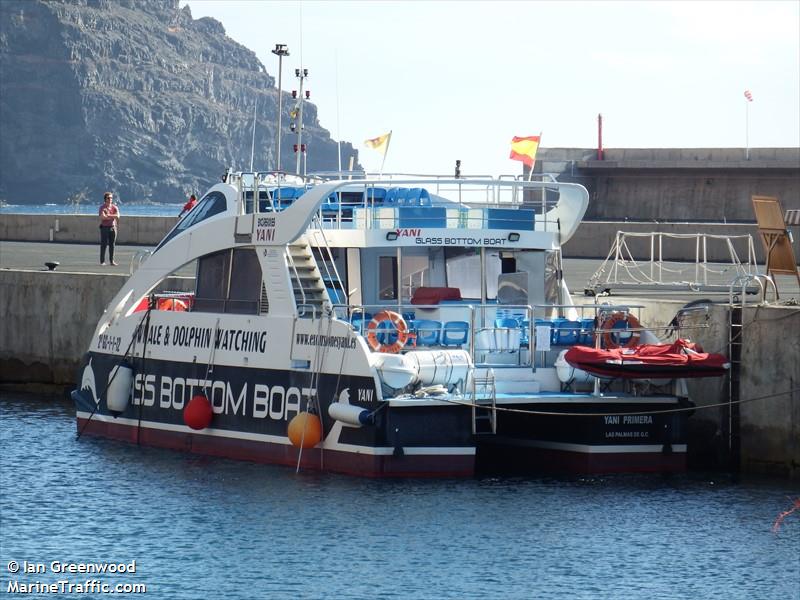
{"type": "Point", "coordinates": [133, 96]}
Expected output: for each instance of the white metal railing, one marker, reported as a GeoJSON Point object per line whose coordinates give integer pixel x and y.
{"type": "Point", "coordinates": [256, 190]}
{"type": "Point", "coordinates": [622, 268]}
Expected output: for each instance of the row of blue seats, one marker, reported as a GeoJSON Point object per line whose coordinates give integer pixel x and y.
{"type": "Point", "coordinates": [425, 332]}
{"type": "Point", "coordinates": [563, 332]}
{"type": "Point", "coordinates": [431, 332]}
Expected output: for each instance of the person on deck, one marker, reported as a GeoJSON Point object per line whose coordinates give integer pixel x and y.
{"type": "Point", "coordinates": [189, 205]}
{"type": "Point", "coordinates": [109, 221]}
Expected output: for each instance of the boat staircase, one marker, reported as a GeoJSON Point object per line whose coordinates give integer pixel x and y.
{"type": "Point", "coordinates": [309, 291]}
{"type": "Point", "coordinates": [484, 402]}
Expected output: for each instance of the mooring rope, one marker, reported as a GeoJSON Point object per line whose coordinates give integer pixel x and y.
{"type": "Point", "coordinates": [624, 414]}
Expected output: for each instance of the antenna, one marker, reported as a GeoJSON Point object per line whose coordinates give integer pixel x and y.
{"type": "Point", "coordinates": [253, 142]}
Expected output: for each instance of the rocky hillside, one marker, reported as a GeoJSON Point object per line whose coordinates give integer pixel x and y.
{"type": "Point", "coordinates": [133, 96]}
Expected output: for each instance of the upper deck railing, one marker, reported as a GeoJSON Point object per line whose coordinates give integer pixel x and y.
{"type": "Point", "coordinates": [420, 201]}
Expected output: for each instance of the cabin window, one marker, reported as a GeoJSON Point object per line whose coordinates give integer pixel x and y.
{"type": "Point", "coordinates": [415, 273]}
{"type": "Point", "coordinates": [228, 281]}
{"type": "Point", "coordinates": [211, 204]}
{"type": "Point", "coordinates": [463, 265]}
{"type": "Point", "coordinates": [387, 278]}
{"type": "Point", "coordinates": [245, 285]}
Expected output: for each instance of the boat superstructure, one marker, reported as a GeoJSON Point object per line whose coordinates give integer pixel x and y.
{"type": "Point", "coordinates": [376, 326]}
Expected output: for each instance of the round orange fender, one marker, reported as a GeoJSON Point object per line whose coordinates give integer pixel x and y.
{"type": "Point", "coordinates": [611, 335]}
{"type": "Point", "coordinates": [399, 324]}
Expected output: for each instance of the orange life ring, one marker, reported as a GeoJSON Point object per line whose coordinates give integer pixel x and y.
{"type": "Point", "coordinates": [399, 324]}
{"type": "Point", "coordinates": [611, 335]}
{"type": "Point", "coordinates": [171, 304]}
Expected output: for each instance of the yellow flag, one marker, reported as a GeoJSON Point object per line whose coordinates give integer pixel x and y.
{"type": "Point", "coordinates": [380, 143]}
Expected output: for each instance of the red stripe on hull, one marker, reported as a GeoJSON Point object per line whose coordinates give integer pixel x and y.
{"type": "Point", "coordinates": [350, 463]}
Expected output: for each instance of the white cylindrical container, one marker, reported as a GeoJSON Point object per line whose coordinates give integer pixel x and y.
{"type": "Point", "coordinates": [567, 373]}
{"type": "Point", "coordinates": [349, 414]}
{"type": "Point", "coordinates": [119, 388]}
{"type": "Point", "coordinates": [441, 367]}
{"type": "Point", "coordinates": [395, 370]}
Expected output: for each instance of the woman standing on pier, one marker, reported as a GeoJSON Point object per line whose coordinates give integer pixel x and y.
{"type": "Point", "coordinates": [109, 218]}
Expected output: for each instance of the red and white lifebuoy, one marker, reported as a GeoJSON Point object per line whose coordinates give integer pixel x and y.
{"type": "Point", "coordinates": [612, 334]}
{"type": "Point", "coordinates": [399, 324]}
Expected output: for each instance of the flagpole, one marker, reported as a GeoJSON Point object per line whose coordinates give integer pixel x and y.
{"type": "Point", "coordinates": [385, 152]}
{"type": "Point", "coordinates": [747, 129]}
{"type": "Point", "coordinates": [530, 171]}
{"type": "Point", "coordinates": [338, 127]}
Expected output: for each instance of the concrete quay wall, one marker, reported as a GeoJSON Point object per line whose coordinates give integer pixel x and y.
{"type": "Point", "coordinates": [768, 437]}
{"type": "Point", "coordinates": [593, 239]}
{"type": "Point", "coordinates": [673, 184]}
{"type": "Point", "coordinates": [82, 229]}
{"type": "Point", "coordinates": [51, 316]}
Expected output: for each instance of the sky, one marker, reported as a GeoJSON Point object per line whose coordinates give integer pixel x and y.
{"type": "Point", "coordinates": [458, 79]}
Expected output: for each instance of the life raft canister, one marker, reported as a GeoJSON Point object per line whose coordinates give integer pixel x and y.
{"type": "Point", "coordinates": [613, 334]}
{"type": "Point", "coordinates": [400, 325]}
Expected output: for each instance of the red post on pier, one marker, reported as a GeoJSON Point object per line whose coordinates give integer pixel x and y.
{"type": "Point", "coordinates": [599, 136]}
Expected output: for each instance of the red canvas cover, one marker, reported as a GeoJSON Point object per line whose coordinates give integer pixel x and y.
{"type": "Point", "coordinates": [434, 295]}
{"type": "Point", "coordinates": [679, 359]}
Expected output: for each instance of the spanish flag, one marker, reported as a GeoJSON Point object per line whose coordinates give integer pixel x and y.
{"type": "Point", "coordinates": [524, 149]}
{"type": "Point", "coordinates": [380, 143]}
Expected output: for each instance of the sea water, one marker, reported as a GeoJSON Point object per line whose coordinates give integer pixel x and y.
{"type": "Point", "coordinates": [131, 210]}
{"type": "Point", "coordinates": [201, 527]}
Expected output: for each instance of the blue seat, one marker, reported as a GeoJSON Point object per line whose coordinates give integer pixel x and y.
{"type": "Point", "coordinates": [428, 332]}
{"type": "Point", "coordinates": [566, 332]}
{"type": "Point", "coordinates": [359, 321]}
{"type": "Point", "coordinates": [524, 339]}
{"type": "Point", "coordinates": [376, 194]}
{"type": "Point", "coordinates": [455, 333]}
{"type": "Point", "coordinates": [586, 336]}
{"type": "Point", "coordinates": [386, 332]}
{"type": "Point", "coordinates": [506, 322]}
{"type": "Point", "coordinates": [391, 197]}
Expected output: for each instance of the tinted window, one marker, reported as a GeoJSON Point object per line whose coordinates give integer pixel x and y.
{"type": "Point", "coordinates": [211, 204]}
{"type": "Point", "coordinates": [228, 281]}
{"type": "Point", "coordinates": [245, 283]}
{"type": "Point", "coordinates": [212, 282]}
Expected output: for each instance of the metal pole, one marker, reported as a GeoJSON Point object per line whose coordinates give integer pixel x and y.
{"type": "Point", "coordinates": [280, 51]}
{"type": "Point", "coordinates": [253, 141]}
{"type": "Point", "coordinates": [302, 74]}
{"type": "Point", "coordinates": [747, 129]}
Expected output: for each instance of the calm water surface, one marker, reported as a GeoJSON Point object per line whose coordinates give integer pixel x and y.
{"type": "Point", "coordinates": [212, 528]}
{"type": "Point", "coordinates": [91, 208]}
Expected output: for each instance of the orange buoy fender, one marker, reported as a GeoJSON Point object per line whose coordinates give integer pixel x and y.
{"type": "Point", "coordinates": [399, 324]}
{"type": "Point", "coordinates": [305, 430]}
{"type": "Point", "coordinates": [612, 335]}
{"type": "Point", "coordinates": [198, 413]}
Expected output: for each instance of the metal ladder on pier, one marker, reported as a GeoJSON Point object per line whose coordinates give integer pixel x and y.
{"type": "Point", "coordinates": [484, 403]}
{"type": "Point", "coordinates": [737, 300]}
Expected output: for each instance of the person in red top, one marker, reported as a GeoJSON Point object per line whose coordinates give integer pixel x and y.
{"type": "Point", "coordinates": [109, 220]}
{"type": "Point", "coordinates": [189, 205]}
